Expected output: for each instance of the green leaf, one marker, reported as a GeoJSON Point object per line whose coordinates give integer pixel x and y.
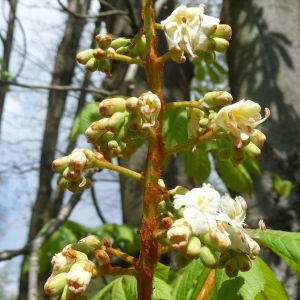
{"type": "Point", "coordinates": [197, 165]}
{"type": "Point", "coordinates": [284, 244]}
{"type": "Point", "coordinates": [236, 178]}
{"type": "Point", "coordinates": [273, 288]}
{"type": "Point", "coordinates": [190, 281]}
{"type": "Point", "coordinates": [130, 287]}
{"type": "Point", "coordinates": [213, 75]}
{"type": "Point", "coordinates": [258, 283]}
{"type": "Point", "coordinates": [161, 290]}
{"type": "Point", "coordinates": [245, 286]}
{"type": "Point", "coordinates": [103, 292]}
{"type": "Point", "coordinates": [175, 127]}
{"type": "Point", "coordinates": [162, 271]}
{"type": "Point", "coordinates": [118, 292]}
{"type": "Point", "coordinates": [88, 114]}
{"type": "Point", "coordinates": [281, 187]}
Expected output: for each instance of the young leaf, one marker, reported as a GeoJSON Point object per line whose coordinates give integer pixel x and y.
{"type": "Point", "coordinates": [281, 187]}
{"type": "Point", "coordinates": [284, 244]}
{"type": "Point", "coordinates": [175, 127]}
{"type": "Point", "coordinates": [88, 114]}
{"type": "Point", "coordinates": [161, 290]}
{"type": "Point", "coordinates": [197, 165]}
{"type": "Point", "coordinates": [236, 178]}
{"type": "Point", "coordinates": [190, 280]}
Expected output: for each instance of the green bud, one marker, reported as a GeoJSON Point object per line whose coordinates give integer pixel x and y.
{"type": "Point", "coordinates": [134, 122]}
{"type": "Point", "coordinates": [236, 155]}
{"type": "Point", "coordinates": [221, 45]}
{"type": "Point", "coordinates": [224, 154]}
{"type": "Point", "coordinates": [109, 106]}
{"type": "Point", "coordinates": [209, 45]}
{"type": "Point", "coordinates": [103, 40]}
{"type": "Point", "coordinates": [209, 57]}
{"type": "Point", "coordinates": [223, 31]}
{"type": "Point", "coordinates": [123, 50]}
{"type": "Point", "coordinates": [88, 245]}
{"type": "Point", "coordinates": [62, 183]}
{"type": "Point", "coordinates": [84, 56]}
{"type": "Point", "coordinates": [232, 267]}
{"type": "Point", "coordinates": [217, 98]}
{"type": "Point", "coordinates": [140, 46]}
{"type": "Point", "coordinates": [92, 64]}
{"type": "Point", "coordinates": [244, 262]}
{"type": "Point", "coordinates": [104, 66]}
{"type": "Point", "coordinates": [193, 248]}
{"type": "Point", "coordinates": [59, 164]}
{"type": "Point", "coordinates": [115, 147]}
{"type": "Point", "coordinates": [116, 121]}
{"type": "Point", "coordinates": [252, 150]}
{"type": "Point", "coordinates": [55, 284]}
{"type": "Point", "coordinates": [120, 42]}
{"type": "Point", "coordinates": [74, 186]}
{"type": "Point", "coordinates": [208, 257]}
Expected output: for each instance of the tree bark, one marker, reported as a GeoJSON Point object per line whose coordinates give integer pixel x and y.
{"type": "Point", "coordinates": [264, 66]}
{"type": "Point", "coordinates": [7, 47]}
{"type": "Point", "coordinates": [62, 75]}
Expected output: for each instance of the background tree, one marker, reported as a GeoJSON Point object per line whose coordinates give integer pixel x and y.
{"type": "Point", "coordinates": [264, 66]}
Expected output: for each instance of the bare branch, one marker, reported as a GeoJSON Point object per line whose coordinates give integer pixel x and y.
{"type": "Point", "coordinates": [35, 244]}
{"type": "Point", "coordinates": [97, 208]}
{"type": "Point", "coordinates": [99, 15]}
{"type": "Point", "coordinates": [58, 88]}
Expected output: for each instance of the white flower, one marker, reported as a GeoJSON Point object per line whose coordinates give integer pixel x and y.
{"type": "Point", "coordinates": [200, 208]}
{"type": "Point", "coordinates": [188, 29]}
{"type": "Point", "coordinates": [80, 276]}
{"type": "Point", "coordinates": [235, 209]}
{"type": "Point", "coordinates": [240, 119]}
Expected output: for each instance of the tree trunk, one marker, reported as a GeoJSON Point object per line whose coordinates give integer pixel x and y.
{"type": "Point", "coordinates": [264, 65]}
{"type": "Point", "coordinates": [129, 80]}
{"type": "Point", "coordinates": [62, 75]}
{"type": "Point", "coordinates": [7, 46]}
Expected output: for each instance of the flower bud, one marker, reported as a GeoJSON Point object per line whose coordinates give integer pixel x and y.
{"type": "Point", "coordinates": [179, 234]}
{"type": "Point", "coordinates": [140, 46]}
{"type": "Point", "coordinates": [208, 257]}
{"type": "Point", "coordinates": [223, 31]}
{"type": "Point", "coordinates": [80, 276]}
{"type": "Point", "coordinates": [99, 54]}
{"type": "Point", "coordinates": [209, 57]}
{"type": "Point", "coordinates": [60, 164]}
{"type": "Point", "coordinates": [232, 267]}
{"type": "Point", "coordinates": [104, 66]}
{"type": "Point", "coordinates": [193, 247]}
{"type": "Point", "coordinates": [96, 129]}
{"type": "Point", "coordinates": [208, 45]}
{"type": "Point", "coordinates": [55, 284]}
{"type": "Point", "coordinates": [77, 160]}
{"type": "Point", "coordinates": [71, 175]}
{"type": "Point", "coordinates": [221, 45]}
{"type": "Point", "coordinates": [257, 138]}
{"type": "Point", "coordinates": [134, 122]}
{"type": "Point", "coordinates": [116, 121]}
{"type": "Point", "coordinates": [236, 155]}
{"type": "Point", "coordinates": [62, 183]}
{"type": "Point", "coordinates": [92, 64]}
{"type": "Point", "coordinates": [120, 42]}
{"type": "Point", "coordinates": [84, 56]}
{"type": "Point", "coordinates": [102, 256]}
{"type": "Point", "coordinates": [103, 40]}
{"type": "Point", "coordinates": [217, 98]}
{"type": "Point", "coordinates": [252, 150]}
{"type": "Point", "coordinates": [150, 108]}
{"type": "Point", "coordinates": [109, 106]}
{"type": "Point", "coordinates": [133, 105]}
{"type": "Point", "coordinates": [243, 261]}
{"type": "Point", "coordinates": [87, 245]}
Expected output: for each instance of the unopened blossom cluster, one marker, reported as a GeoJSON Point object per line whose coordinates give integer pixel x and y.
{"type": "Point", "coordinates": [190, 32]}
{"type": "Point", "coordinates": [73, 269]}
{"type": "Point", "coordinates": [210, 226]}
{"type": "Point", "coordinates": [122, 123]}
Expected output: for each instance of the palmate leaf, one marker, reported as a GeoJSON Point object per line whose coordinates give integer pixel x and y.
{"type": "Point", "coordinates": [257, 284]}
{"type": "Point", "coordinates": [284, 244]}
